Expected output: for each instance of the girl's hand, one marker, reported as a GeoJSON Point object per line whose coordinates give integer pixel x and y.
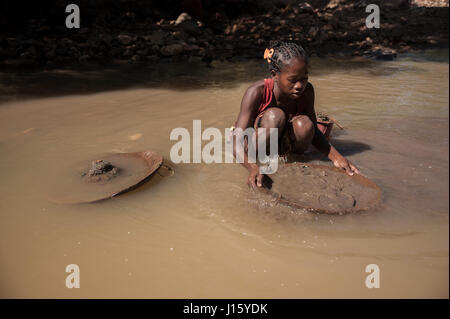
{"type": "Point", "coordinates": [255, 178]}
{"type": "Point", "coordinates": [346, 165]}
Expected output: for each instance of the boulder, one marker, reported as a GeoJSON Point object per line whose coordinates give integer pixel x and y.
{"type": "Point", "coordinates": [158, 37]}
{"type": "Point", "coordinates": [385, 55]}
{"type": "Point", "coordinates": [184, 17]}
{"type": "Point", "coordinates": [124, 39]}
{"type": "Point", "coordinates": [305, 7]}
{"type": "Point", "coordinates": [84, 58]}
{"type": "Point", "coordinates": [172, 49]}
{"type": "Point", "coordinates": [180, 35]}
{"type": "Point", "coordinates": [189, 27]}
{"type": "Point", "coordinates": [313, 32]}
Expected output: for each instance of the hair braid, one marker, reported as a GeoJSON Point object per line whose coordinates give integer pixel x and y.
{"type": "Point", "coordinates": [283, 52]}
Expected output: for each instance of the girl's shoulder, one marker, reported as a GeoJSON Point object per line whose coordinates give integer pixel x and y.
{"type": "Point", "coordinates": [257, 88]}
{"type": "Point", "coordinates": [258, 85]}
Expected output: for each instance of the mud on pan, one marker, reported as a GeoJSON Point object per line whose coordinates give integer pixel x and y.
{"type": "Point", "coordinates": [320, 189]}
{"type": "Point", "coordinates": [107, 177]}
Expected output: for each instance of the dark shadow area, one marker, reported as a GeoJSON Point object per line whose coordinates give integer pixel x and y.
{"type": "Point", "coordinates": [181, 75]}
{"type": "Point", "coordinates": [348, 147]}
{"type": "Point", "coordinates": [92, 79]}
{"type": "Point", "coordinates": [436, 55]}
{"type": "Point", "coordinates": [345, 147]}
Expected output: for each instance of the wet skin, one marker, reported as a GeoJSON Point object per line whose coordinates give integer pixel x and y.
{"type": "Point", "coordinates": [291, 87]}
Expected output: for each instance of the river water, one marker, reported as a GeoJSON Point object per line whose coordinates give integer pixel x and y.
{"type": "Point", "coordinates": [198, 234]}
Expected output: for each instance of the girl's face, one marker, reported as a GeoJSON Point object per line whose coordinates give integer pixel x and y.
{"type": "Point", "coordinates": [293, 79]}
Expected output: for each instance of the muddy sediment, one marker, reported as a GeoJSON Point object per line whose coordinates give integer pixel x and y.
{"type": "Point", "coordinates": [100, 171]}
{"type": "Point", "coordinates": [321, 189]}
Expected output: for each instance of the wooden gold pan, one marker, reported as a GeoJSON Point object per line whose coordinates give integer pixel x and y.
{"type": "Point", "coordinates": [134, 169]}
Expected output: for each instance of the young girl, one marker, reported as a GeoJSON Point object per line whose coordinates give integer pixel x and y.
{"type": "Point", "coordinates": [284, 101]}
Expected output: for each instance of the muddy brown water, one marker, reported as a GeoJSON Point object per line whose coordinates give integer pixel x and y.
{"type": "Point", "coordinates": [197, 234]}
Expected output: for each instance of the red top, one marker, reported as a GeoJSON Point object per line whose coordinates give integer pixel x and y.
{"type": "Point", "coordinates": [268, 94]}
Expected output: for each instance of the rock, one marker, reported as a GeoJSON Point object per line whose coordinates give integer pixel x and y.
{"type": "Point", "coordinates": [65, 42]}
{"type": "Point", "coordinates": [152, 58]}
{"type": "Point", "coordinates": [115, 52]}
{"type": "Point", "coordinates": [124, 39]}
{"type": "Point", "coordinates": [172, 50]}
{"type": "Point", "coordinates": [100, 167]}
{"type": "Point", "coordinates": [33, 43]}
{"type": "Point", "coordinates": [60, 51]}
{"type": "Point", "coordinates": [106, 38]}
{"type": "Point", "coordinates": [100, 171]}
{"type": "Point", "coordinates": [73, 51]}
{"type": "Point", "coordinates": [385, 55]}
{"type": "Point", "coordinates": [84, 45]}
{"type": "Point", "coordinates": [194, 59]}
{"type": "Point", "coordinates": [129, 51]}
{"type": "Point", "coordinates": [13, 42]}
{"type": "Point", "coordinates": [333, 4]}
{"type": "Point", "coordinates": [168, 26]}
{"type": "Point", "coordinates": [313, 32]}
{"type": "Point", "coordinates": [23, 62]}
{"type": "Point", "coordinates": [143, 52]}
{"type": "Point", "coordinates": [155, 48]}
{"type": "Point", "coordinates": [180, 35]}
{"type": "Point", "coordinates": [190, 27]}
{"type": "Point", "coordinates": [305, 7]}
{"type": "Point", "coordinates": [158, 37]}
{"type": "Point", "coordinates": [84, 58]}
{"type": "Point", "coordinates": [26, 55]}
{"type": "Point", "coordinates": [183, 18]}
{"type": "Point", "coordinates": [192, 47]}
{"type": "Point", "coordinates": [50, 54]}
{"type": "Point", "coordinates": [201, 52]}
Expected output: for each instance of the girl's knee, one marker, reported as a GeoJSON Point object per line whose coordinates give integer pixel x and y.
{"type": "Point", "coordinates": [303, 125]}
{"type": "Point", "coordinates": [274, 117]}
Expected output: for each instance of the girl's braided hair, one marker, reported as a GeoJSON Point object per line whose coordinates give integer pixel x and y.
{"type": "Point", "coordinates": [282, 52]}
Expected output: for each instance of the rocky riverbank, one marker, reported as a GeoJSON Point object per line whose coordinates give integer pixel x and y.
{"type": "Point", "coordinates": [335, 27]}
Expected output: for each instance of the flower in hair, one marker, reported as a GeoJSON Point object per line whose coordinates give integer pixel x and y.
{"type": "Point", "coordinates": [268, 54]}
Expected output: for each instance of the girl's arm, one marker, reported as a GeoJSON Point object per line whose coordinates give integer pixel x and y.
{"type": "Point", "coordinates": [321, 142]}
{"type": "Point", "coordinates": [249, 104]}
